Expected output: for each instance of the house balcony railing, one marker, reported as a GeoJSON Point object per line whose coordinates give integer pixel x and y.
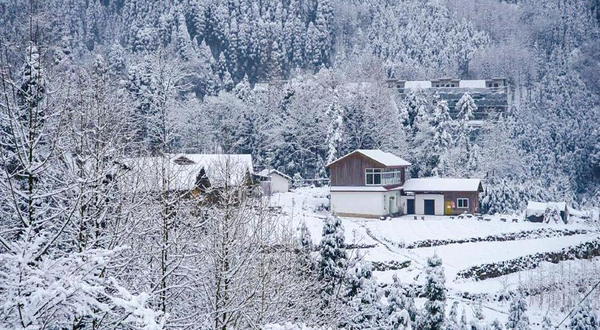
{"type": "Point", "coordinates": [390, 181]}
{"type": "Point", "coordinates": [382, 177]}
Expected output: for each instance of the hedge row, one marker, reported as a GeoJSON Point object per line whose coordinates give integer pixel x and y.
{"type": "Point", "coordinates": [585, 250]}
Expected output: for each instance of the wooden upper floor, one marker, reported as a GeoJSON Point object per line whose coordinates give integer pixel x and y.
{"type": "Point", "coordinates": [368, 168]}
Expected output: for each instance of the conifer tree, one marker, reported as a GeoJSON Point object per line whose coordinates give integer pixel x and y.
{"type": "Point", "coordinates": [465, 108]}
{"type": "Point", "coordinates": [335, 115]}
{"type": "Point", "coordinates": [584, 318]}
{"type": "Point", "coordinates": [334, 260]}
{"type": "Point", "coordinates": [396, 298]}
{"type": "Point", "coordinates": [443, 126]}
{"type": "Point", "coordinates": [517, 317]}
{"type": "Point", "coordinates": [365, 310]}
{"type": "Point", "coordinates": [453, 316]}
{"type": "Point", "coordinates": [435, 292]}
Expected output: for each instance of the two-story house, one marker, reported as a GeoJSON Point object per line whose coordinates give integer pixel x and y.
{"type": "Point", "coordinates": [367, 183]}
{"type": "Point", "coordinates": [371, 183]}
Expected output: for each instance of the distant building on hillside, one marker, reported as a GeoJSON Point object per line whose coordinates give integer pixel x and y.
{"type": "Point", "coordinates": [490, 96]}
{"type": "Point", "coordinates": [272, 181]}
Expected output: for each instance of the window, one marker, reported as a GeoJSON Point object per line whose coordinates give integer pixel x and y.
{"type": "Point", "coordinates": [373, 176]}
{"type": "Point", "coordinates": [495, 84]}
{"type": "Point", "coordinates": [462, 203]}
{"type": "Point", "coordinates": [379, 176]}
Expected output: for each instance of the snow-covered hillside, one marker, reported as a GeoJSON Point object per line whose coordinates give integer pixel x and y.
{"type": "Point", "coordinates": [461, 244]}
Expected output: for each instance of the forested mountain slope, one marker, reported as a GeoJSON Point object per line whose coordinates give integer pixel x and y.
{"type": "Point", "coordinates": [196, 63]}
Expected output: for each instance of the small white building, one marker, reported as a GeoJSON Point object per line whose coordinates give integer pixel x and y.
{"type": "Point", "coordinates": [540, 211]}
{"type": "Point", "coordinates": [441, 196]}
{"type": "Point", "coordinates": [274, 181]}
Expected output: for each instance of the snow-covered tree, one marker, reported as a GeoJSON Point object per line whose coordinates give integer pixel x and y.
{"type": "Point", "coordinates": [442, 123]}
{"type": "Point", "coordinates": [517, 314]}
{"type": "Point", "coordinates": [305, 247]}
{"type": "Point", "coordinates": [335, 129]}
{"type": "Point", "coordinates": [365, 310]}
{"type": "Point", "coordinates": [465, 108]}
{"type": "Point", "coordinates": [496, 325]}
{"type": "Point", "coordinates": [399, 307]}
{"type": "Point", "coordinates": [334, 259]}
{"type": "Point", "coordinates": [552, 214]}
{"type": "Point", "coordinates": [453, 316]}
{"type": "Point", "coordinates": [584, 318]}
{"type": "Point", "coordinates": [435, 291]}
{"type": "Point", "coordinates": [547, 323]}
{"type": "Point", "coordinates": [463, 320]}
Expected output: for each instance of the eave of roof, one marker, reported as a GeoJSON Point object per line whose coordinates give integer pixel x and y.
{"type": "Point", "coordinates": [435, 184]}
{"type": "Point", "coordinates": [365, 154]}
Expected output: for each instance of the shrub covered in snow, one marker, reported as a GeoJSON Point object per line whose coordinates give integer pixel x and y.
{"type": "Point", "coordinates": [584, 318]}
{"type": "Point", "coordinates": [435, 292]}
{"type": "Point", "coordinates": [517, 317]}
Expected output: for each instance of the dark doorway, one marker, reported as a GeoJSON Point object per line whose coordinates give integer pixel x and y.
{"type": "Point", "coordinates": [429, 207]}
{"type": "Point", "coordinates": [410, 206]}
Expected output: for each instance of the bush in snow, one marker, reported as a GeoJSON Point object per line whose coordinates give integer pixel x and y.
{"type": "Point", "coordinates": [305, 247]}
{"type": "Point", "coordinates": [400, 320]}
{"type": "Point", "coordinates": [453, 316]}
{"type": "Point", "coordinates": [517, 317]}
{"type": "Point", "coordinates": [400, 310]}
{"type": "Point", "coordinates": [297, 180]}
{"type": "Point", "coordinates": [496, 325]}
{"type": "Point", "coordinates": [365, 310]}
{"type": "Point", "coordinates": [584, 318]}
{"type": "Point", "coordinates": [546, 323]}
{"type": "Point", "coordinates": [334, 260]}
{"type": "Point", "coordinates": [435, 291]}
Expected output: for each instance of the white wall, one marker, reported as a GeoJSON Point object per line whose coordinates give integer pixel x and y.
{"type": "Point", "coordinates": [279, 183]}
{"type": "Point", "coordinates": [358, 202]}
{"type": "Point", "coordinates": [397, 205]}
{"type": "Point", "coordinates": [420, 204]}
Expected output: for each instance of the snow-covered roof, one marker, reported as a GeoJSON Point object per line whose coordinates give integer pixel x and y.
{"type": "Point", "coordinates": [442, 184]}
{"type": "Point", "coordinates": [266, 172]}
{"type": "Point", "coordinates": [472, 83]}
{"type": "Point", "coordinates": [417, 84]}
{"type": "Point", "coordinates": [539, 208]}
{"type": "Point", "coordinates": [381, 157]}
{"type": "Point", "coordinates": [358, 188]}
{"type": "Point", "coordinates": [181, 171]}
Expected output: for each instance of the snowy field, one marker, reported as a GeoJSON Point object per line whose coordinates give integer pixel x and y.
{"type": "Point", "coordinates": [407, 230]}
{"type": "Point", "coordinates": [384, 241]}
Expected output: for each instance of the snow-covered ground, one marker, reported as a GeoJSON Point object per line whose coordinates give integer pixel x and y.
{"type": "Point", "coordinates": [407, 230]}
{"type": "Point", "coordinates": [383, 241]}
